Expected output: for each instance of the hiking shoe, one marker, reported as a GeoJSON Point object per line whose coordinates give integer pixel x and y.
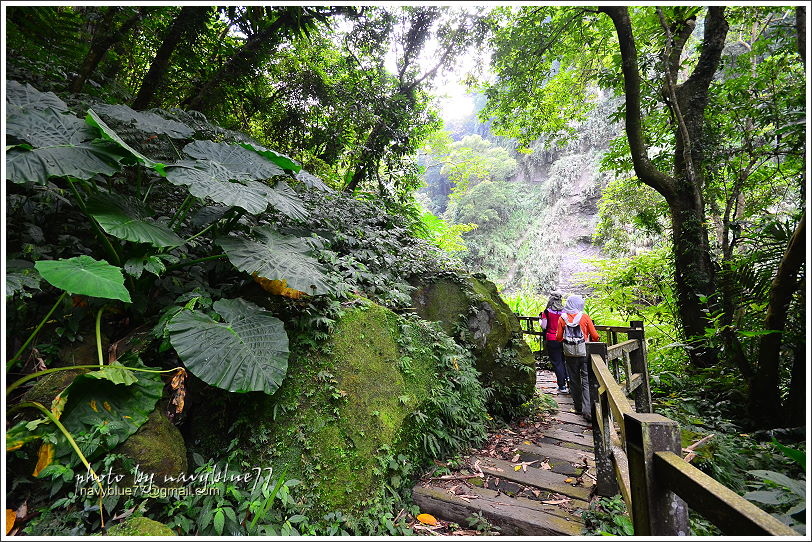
{"type": "Point", "coordinates": [565, 389]}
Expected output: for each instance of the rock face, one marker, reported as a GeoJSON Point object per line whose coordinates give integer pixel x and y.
{"type": "Point", "coordinates": [157, 448]}
{"type": "Point", "coordinates": [140, 526]}
{"type": "Point", "coordinates": [357, 414]}
{"type": "Point", "coordinates": [471, 311]}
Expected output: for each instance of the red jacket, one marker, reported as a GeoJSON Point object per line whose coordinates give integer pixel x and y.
{"type": "Point", "coordinates": [587, 327]}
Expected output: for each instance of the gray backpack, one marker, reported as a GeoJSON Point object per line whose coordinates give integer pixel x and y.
{"type": "Point", "coordinates": [574, 343]}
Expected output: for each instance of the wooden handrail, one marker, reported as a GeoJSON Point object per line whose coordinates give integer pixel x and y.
{"type": "Point", "coordinates": [617, 350]}
{"type": "Point", "coordinates": [733, 514]}
{"type": "Point", "coordinates": [645, 466]}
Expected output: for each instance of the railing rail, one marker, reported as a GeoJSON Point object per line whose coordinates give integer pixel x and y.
{"type": "Point", "coordinates": [637, 452]}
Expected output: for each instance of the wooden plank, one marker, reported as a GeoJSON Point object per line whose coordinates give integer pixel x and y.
{"type": "Point", "coordinates": [733, 514]}
{"type": "Point", "coordinates": [621, 463]}
{"type": "Point", "coordinates": [557, 452]}
{"type": "Point", "coordinates": [516, 517]}
{"type": "Point", "coordinates": [618, 402]}
{"type": "Point", "coordinates": [573, 418]}
{"type": "Point", "coordinates": [616, 350]}
{"type": "Point", "coordinates": [566, 436]}
{"type": "Point", "coordinates": [634, 382]}
{"type": "Point", "coordinates": [542, 479]}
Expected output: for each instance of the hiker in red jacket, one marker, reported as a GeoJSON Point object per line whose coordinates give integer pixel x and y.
{"type": "Point", "coordinates": [549, 323]}
{"type": "Point", "coordinates": [575, 327]}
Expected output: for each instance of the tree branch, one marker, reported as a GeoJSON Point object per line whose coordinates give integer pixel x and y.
{"type": "Point", "coordinates": [643, 167]}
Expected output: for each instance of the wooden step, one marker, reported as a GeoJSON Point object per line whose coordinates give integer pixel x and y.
{"type": "Point", "coordinates": [561, 459]}
{"type": "Point", "coordinates": [514, 516]}
{"type": "Point", "coordinates": [567, 436]}
{"type": "Point", "coordinates": [572, 418]}
{"type": "Point", "coordinates": [538, 478]}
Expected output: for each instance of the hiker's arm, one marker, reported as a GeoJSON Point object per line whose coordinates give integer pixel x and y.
{"type": "Point", "coordinates": [543, 320]}
{"type": "Point", "coordinates": [559, 335]}
{"type": "Point", "coordinates": [593, 333]}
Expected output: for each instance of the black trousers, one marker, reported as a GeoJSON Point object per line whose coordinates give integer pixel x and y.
{"type": "Point", "coordinates": [555, 349]}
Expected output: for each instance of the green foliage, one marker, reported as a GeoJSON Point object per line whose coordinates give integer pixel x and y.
{"type": "Point", "coordinates": [446, 236]}
{"type": "Point", "coordinates": [85, 276]}
{"type": "Point", "coordinates": [480, 524]}
{"type": "Point", "coordinates": [607, 516]}
{"type": "Point", "coordinates": [248, 351]}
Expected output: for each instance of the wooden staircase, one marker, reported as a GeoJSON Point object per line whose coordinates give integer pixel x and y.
{"type": "Point", "coordinates": [539, 490]}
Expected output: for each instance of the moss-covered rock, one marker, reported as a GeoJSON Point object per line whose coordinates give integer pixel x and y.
{"type": "Point", "coordinates": [49, 386]}
{"type": "Point", "coordinates": [158, 449]}
{"type": "Point", "coordinates": [472, 312]}
{"type": "Point", "coordinates": [140, 526]}
{"type": "Point", "coordinates": [383, 396]}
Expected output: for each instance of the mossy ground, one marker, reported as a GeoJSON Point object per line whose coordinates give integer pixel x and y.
{"type": "Point", "coordinates": [140, 526]}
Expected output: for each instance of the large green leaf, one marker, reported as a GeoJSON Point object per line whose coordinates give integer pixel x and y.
{"type": "Point", "coordinates": [101, 413]}
{"type": "Point", "coordinates": [242, 164]}
{"type": "Point", "coordinates": [127, 218]}
{"type": "Point", "coordinates": [85, 276]}
{"type": "Point", "coordinates": [109, 134]}
{"type": "Point", "coordinates": [212, 180]}
{"type": "Point", "coordinates": [145, 121]}
{"type": "Point", "coordinates": [284, 198]}
{"type": "Point", "coordinates": [248, 351]}
{"type": "Point", "coordinates": [24, 97]}
{"type": "Point", "coordinates": [281, 160]}
{"type": "Point", "coordinates": [277, 257]}
{"type": "Point", "coordinates": [60, 145]}
{"type": "Point", "coordinates": [312, 181]}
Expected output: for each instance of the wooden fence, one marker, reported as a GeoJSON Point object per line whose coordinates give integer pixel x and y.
{"type": "Point", "coordinates": [638, 453]}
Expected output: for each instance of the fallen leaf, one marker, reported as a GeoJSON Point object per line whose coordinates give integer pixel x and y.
{"type": "Point", "coordinates": [569, 480]}
{"type": "Point", "coordinates": [535, 492]}
{"type": "Point", "coordinates": [515, 459]}
{"type": "Point", "coordinates": [45, 457]}
{"type": "Point", "coordinates": [559, 501]}
{"type": "Point", "coordinates": [518, 468]}
{"type": "Point", "coordinates": [428, 519]}
{"type": "Point", "coordinates": [545, 466]}
{"type": "Point", "coordinates": [527, 441]}
{"type": "Point", "coordinates": [11, 516]}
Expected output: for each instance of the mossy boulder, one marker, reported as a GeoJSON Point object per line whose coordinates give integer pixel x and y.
{"type": "Point", "coordinates": [140, 526]}
{"type": "Point", "coordinates": [46, 388]}
{"type": "Point", "coordinates": [471, 310]}
{"type": "Point", "coordinates": [366, 409]}
{"type": "Point", "coordinates": [157, 449]}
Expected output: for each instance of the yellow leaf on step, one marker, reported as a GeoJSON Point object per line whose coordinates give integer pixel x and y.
{"type": "Point", "coordinates": [45, 457]}
{"type": "Point", "coordinates": [11, 516]}
{"type": "Point", "coordinates": [568, 481]}
{"type": "Point", "coordinates": [428, 519]}
{"type": "Point", "coordinates": [517, 467]}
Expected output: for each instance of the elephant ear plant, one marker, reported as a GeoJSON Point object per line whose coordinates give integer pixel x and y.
{"type": "Point", "coordinates": [100, 408]}
{"type": "Point", "coordinates": [127, 203]}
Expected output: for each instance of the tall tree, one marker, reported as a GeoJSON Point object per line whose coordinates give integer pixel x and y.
{"type": "Point", "coordinates": [189, 21]}
{"type": "Point", "coordinates": [553, 40]}
{"type": "Point", "coordinates": [275, 25]}
{"type": "Point", "coordinates": [396, 132]}
{"type": "Point", "coordinates": [108, 32]}
{"type": "Point", "coordinates": [765, 404]}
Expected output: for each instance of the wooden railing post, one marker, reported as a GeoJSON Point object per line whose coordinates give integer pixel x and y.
{"type": "Point", "coordinates": [638, 360]}
{"type": "Point", "coordinates": [656, 511]}
{"type": "Point", "coordinates": [606, 483]}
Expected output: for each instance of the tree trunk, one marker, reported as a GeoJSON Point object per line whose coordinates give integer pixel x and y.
{"type": "Point", "coordinates": [102, 43]}
{"type": "Point", "coordinates": [765, 392]}
{"type": "Point", "coordinates": [187, 23]}
{"type": "Point", "coordinates": [245, 60]}
{"type": "Point", "coordinates": [694, 274]}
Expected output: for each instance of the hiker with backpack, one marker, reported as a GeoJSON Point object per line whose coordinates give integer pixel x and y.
{"type": "Point", "coordinates": [549, 324]}
{"type": "Point", "coordinates": [575, 327]}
